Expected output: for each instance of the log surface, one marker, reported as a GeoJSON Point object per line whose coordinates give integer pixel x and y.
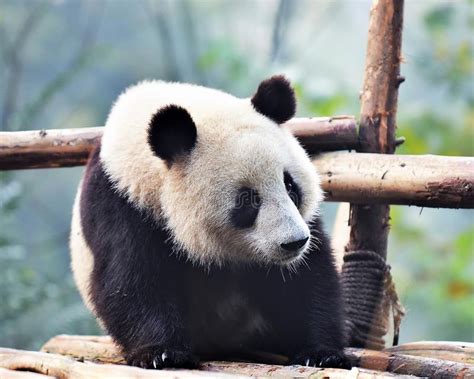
{"type": "Point", "coordinates": [71, 147]}
{"type": "Point", "coordinates": [13, 374]}
{"type": "Point", "coordinates": [47, 148]}
{"type": "Point", "coordinates": [462, 352]}
{"type": "Point", "coordinates": [62, 366]}
{"type": "Point", "coordinates": [372, 364]}
{"type": "Point", "coordinates": [422, 180]}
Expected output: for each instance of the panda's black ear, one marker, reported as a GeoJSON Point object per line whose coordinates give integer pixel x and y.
{"type": "Point", "coordinates": [172, 133]}
{"type": "Point", "coordinates": [275, 99]}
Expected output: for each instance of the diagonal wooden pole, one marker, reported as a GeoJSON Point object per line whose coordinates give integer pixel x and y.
{"type": "Point", "coordinates": [366, 278]}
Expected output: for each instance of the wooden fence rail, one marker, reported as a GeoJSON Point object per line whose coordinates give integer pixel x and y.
{"type": "Point", "coordinates": [424, 180]}
{"type": "Point", "coordinates": [71, 147]}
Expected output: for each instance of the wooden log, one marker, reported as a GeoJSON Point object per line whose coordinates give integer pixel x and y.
{"type": "Point", "coordinates": [65, 367]}
{"type": "Point", "coordinates": [411, 365]}
{"type": "Point", "coordinates": [426, 180]}
{"type": "Point", "coordinates": [102, 349]}
{"type": "Point", "coordinates": [258, 370]}
{"type": "Point", "coordinates": [71, 147]}
{"type": "Point", "coordinates": [325, 133]}
{"type": "Point", "coordinates": [462, 352]}
{"type": "Point", "coordinates": [370, 223]}
{"type": "Point", "coordinates": [91, 348]}
{"type": "Point", "coordinates": [11, 374]}
{"type": "Point", "coordinates": [47, 148]}
{"type": "Point", "coordinates": [422, 180]}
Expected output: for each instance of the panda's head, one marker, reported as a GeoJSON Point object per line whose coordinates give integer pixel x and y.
{"type": "Point", "coordinates": [231, 183]}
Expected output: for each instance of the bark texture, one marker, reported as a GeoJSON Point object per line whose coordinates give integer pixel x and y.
{"type": "Point", "coordinates": [369, 223]}
{"type": "Point", "coordinates": [421, 180]}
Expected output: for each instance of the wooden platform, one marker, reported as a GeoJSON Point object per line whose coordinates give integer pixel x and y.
{"type": "Point", "coordinates": [88, 357]}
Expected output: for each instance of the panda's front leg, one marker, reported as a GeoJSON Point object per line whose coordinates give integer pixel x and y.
{"type": "Point", "coordinates": [151, 335]}
{"type": "Point", "coordinates": [146, 320]}
{"type": "Point", "coordinates": [320, 341]}
{"type": "Point", "coordinates": [317, 329]}
{"type": "Point", "coordinates": [166, 349]}
{"type": "Point", "coordinates": [318, 333]}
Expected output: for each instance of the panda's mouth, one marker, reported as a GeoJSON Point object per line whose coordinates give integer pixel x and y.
{"type": "Point", "coordinates": [286, 258]}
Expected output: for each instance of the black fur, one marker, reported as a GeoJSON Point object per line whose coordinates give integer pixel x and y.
{"type": "Point", "coordinates": [293, 189]}
{"type": "Point", "coordinates": [172, 133]}
{"type": "Point", "coordinates": [166, 312]}
{"type": "Point", "coordinates": [247, 205]}
{"type": "Point", "coordinates": [275, 99]}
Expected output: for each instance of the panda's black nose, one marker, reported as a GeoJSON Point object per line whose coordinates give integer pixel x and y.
{"type": "Point", "coordinates": [294, 245]}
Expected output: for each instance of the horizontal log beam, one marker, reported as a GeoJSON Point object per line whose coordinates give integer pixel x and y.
{"type": "Point", "coordinates": [102, 349]}
{"type": "Point", "coordinates": [325, 133]}
{"type": "Point", "coordinates": [47, 148]}
{"type": "Point", "coordinates": [421, 180]}
{"type": "Point", "coordinates": [462, 352]}
{"type": "Point", "coordinates": [13, 374]}
{"type": "Point", "coordinates": [62, 366]}
{"type": "Point", "coordinates": [71, 147]}
{"type": "Point", "coordinates": [425, 180]}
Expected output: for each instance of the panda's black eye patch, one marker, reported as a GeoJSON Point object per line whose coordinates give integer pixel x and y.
{"type": "Point", "coordinates": [247, 205]}
{"type": "Point", "coordinates": [293, 190]}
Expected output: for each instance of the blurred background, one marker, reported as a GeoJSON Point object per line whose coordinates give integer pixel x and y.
{"type": "Point", "coordinates": [64, 62]}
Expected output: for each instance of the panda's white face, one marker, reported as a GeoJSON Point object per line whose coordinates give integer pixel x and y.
{"type": "Point", "coordinates": [237, 188]}
{"type": "Point", "coordinates": [243, 195]}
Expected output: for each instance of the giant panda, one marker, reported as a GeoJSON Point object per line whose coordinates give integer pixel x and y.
{"type": "Point", "coordinates": [196, 232]}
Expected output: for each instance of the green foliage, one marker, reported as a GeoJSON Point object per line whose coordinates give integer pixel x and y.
{"type": "Point", "coordinates": [435, 271]}
{"type": "Point", "coordinates": [449, 63]}
{"type": "Point", "coordinates": [317, 105]}
{"type": "Point", "coordinates": [439, 18]}
{"type": "Point", "coordinates": [223, 56]}
{"type": "Point", "coordinates": [32, 110]}
{"type": "Point", "coordinates": [428, 133]}
{"type": "Point", "coordinates": [37, 302]}
{"type": "Point", "coordinates": [436, 275]}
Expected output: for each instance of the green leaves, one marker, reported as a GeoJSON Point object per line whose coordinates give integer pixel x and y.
{"type": "Point", "coordinates": [439, 18]}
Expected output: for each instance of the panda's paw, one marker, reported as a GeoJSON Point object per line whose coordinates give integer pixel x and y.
{"type": "Point", "coordinates": [157, 357]}
{"type": "Point", "coordinates": [327, 358]}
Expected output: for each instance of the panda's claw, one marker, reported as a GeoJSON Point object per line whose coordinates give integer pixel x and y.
{"type": "Point", "coordinates": [322, 358]}
{"type": "Point", "coordinates": [158, 358]}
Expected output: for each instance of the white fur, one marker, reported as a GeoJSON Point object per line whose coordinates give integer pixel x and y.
{"type": "Point", "coordinates": [82, 260]}
{"type": "Point", "coordinates": [235, 146]}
